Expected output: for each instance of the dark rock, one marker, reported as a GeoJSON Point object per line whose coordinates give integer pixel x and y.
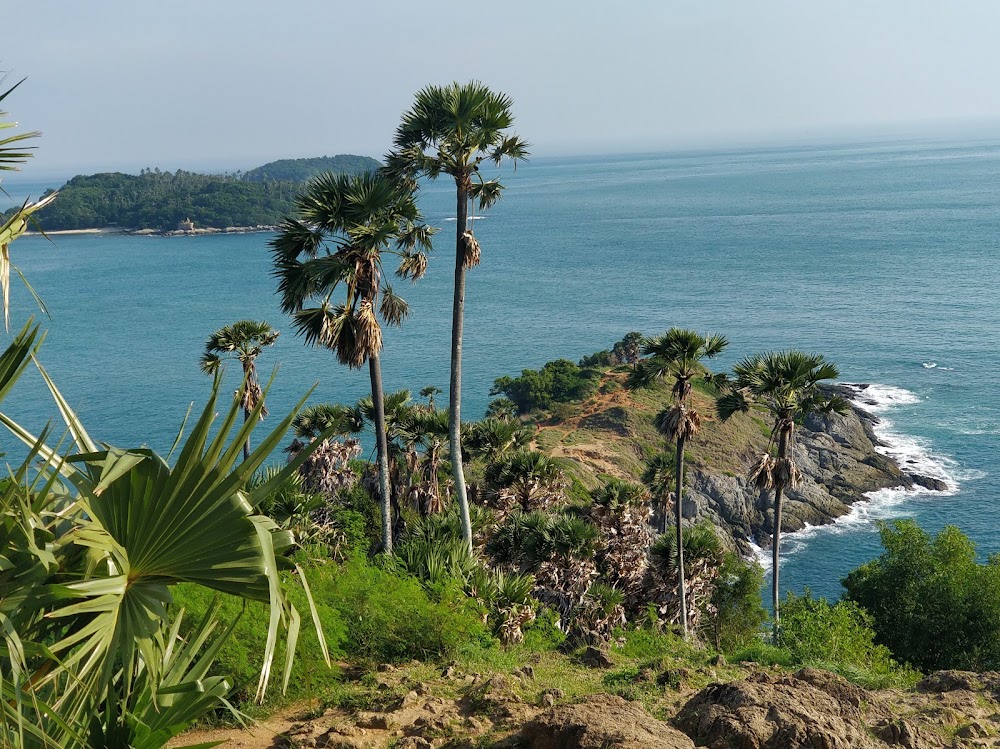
{"type": "Point", "coordinates": [601, 722]}
{"type": "Point", "coordinates": [949, 681]}
{"type": "Point", "coordinates": [836, 454]}
{"type": "Point", "coordinates": [596, 658]}
{"type": "Point", "coordinates": [805, 710]}
{"type": "Point", "coordinates": [929, 482]}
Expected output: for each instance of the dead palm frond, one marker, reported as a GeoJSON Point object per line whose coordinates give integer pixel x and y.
{"type": "Point", "coordinates": [761, 472]}
{"type": "Point", "coordinates": [471, 253]}
{"type": "Point", "coordinates": [679, 421]}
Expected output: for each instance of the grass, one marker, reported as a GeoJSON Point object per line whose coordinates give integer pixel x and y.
{"type": "Point", "coordinates": [619, 424]}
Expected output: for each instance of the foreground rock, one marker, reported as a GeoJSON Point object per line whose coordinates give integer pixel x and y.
{"type": "Point", "coordinates": [601, 722]}
{"type": "Point", "coordinates": [811, 709]}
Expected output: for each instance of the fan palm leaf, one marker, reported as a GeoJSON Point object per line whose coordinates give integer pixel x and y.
{"type": "Point", "coordinates": [119, 528]}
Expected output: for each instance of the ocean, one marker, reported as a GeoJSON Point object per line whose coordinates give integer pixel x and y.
{"type": "Point", "coordinates": [880, 256]}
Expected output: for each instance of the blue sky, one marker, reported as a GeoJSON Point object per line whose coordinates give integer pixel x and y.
{"type": "Point", "coordinates": [227, 84]}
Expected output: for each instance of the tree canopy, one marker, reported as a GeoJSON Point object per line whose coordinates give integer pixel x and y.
{"type": "Point", "coordinates": [161, 200]}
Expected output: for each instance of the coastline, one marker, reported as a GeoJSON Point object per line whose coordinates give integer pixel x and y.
{"type": "Point", "coordinates": [926, 473]}
{"type": "Point", "coordinates": [260, 228]}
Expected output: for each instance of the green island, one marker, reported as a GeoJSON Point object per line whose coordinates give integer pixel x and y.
{"type": "Point", "coordinates": [183, 201]}
{"type": "Point", "coordinates": [572, 570]}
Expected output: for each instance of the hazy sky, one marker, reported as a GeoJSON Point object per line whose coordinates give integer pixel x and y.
{"type": "Point", "coordinates": [228, 84]}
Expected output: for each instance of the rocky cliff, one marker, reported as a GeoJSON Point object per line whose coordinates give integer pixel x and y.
{"type": "Point", "coordinates": [612, 434]}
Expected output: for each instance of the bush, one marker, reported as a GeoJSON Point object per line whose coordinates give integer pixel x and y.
{"type": "Point", "coordinates": [559, 381]}
{"type": "Point", "coordinates": [838, 637]}
{"type": "Point", "coordinates": [241, 655]}
{"type": "Point", "coordinates": [544, 634]}
{"type": "Point", "coordinates": [390, 617]}
{"type": "Point", "coordinates": [599, 359]}
{"type": "Point", "coordinates": [738, 613]}
{"type": "Point", "coordinates": [931, 603]}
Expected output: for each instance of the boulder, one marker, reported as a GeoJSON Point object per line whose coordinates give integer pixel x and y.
{"type": "Point", "coordinates": [809, 710]}
{"type": "Point", "coordinates": [601, 722]}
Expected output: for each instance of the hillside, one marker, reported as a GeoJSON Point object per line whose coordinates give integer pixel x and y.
{"type": "Point", "coordinates": [300, 170]}
{"type": "Point", "coordinates": [156, 200]}
{"type": "Point", "coordinates": [611, 433]}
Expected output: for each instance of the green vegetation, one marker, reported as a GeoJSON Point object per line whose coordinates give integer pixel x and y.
{"type": "Point", "coordinates": [302, 170]}
{"type": "Point", "coordinates": [159, 200]}
{"type": "Point", "coordinates": [931, 603]}
{"type": "Point", "coordinates": [162, 200]}
{"type": "Point", "coordinates": [559, 381]}
{"type": "Point", "coordinates": [94, 538]}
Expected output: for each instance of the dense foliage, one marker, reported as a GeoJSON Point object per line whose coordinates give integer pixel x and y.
{"type": "Point", "coordinates": [159, 200]}
{"type": "Point", "coordinates": [559, 381]}
{"type": "Point", "coordinates": [931, 602]}
{"type": "Point", "coordinates": [300, 170]}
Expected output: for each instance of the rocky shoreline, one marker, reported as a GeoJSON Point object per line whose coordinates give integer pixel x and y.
{"type": "Point", "coordinates": [841, 464]}
{"type": "Point", "coordinates": [200, 232]}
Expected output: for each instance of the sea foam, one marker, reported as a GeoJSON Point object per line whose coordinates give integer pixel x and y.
{"type": "Point", "coordinates": [911, 454]}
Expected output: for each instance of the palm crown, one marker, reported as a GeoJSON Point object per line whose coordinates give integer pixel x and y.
{"type": "Point", "coordinates": [784, 383]}
{"type": "Point", "coordinates": [243, 340]}
{"type": "Point", "coordinates": [343, 226]}
{"type": "Point", "coordinates": [452, 130]}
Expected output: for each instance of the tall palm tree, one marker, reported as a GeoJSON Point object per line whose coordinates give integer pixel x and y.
{"type": "Point", "coordinates": [786, 386]}
{"type": "Point", "coordinates": [452, 130]}
{"type": "Point", "coordinates": [343, 226]}
{"type": "Point", "coordinates": [244, 340]}
{"type": "Point", "coordinates": [677, 355]}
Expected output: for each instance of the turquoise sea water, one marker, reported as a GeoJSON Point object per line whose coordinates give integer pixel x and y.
{"type": "Point", "coordinates": [882, 257]}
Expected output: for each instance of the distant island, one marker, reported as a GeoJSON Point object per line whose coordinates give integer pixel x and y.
{"type": "Point", "coordinates": [163, 201]}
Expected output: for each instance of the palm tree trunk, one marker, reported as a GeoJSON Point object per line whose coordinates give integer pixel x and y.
{"type": "Point", "coordinates": [455, 389]}
{"type": "Point", "coordinates": [382, 451]}
{"type": "Point", "coordinates": [776, 542]}
{"type": "Point", "coordinates": [246, 445]}
{"type": "Point", "coordinates": [678, 511]}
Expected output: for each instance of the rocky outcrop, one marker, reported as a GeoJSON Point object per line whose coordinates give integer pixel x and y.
{"type": "Point", "coordinates": [840, 464]}
{"type": "Point", "coordinates": [809, 709]}
{"type": "Point", "coordinates": [601, 722]}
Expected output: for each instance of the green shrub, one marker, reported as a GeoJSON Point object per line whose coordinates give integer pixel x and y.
{"type": "Point", "coordinates": [543, 634]}
{"type": "Point", "coordinates": [736, 600]}
{"type": "Point", "coordinates": [559, 381]}
{"type": "Point", "coordinates": [764, 653]}
{"type": "Point", "coordinates": [647, 643]}
{"type": "Point", "coordinates": [355, 527]}
{"type": "Point", "coordinates": [390, 617]}
{"type": "Point", "coordinates": [838, 637]}
{"type": "Point", "coordinates": [241, 655]}
{"type": "Point", "coordinates": [931, 603]}
{"type": "Point", "coordinates": [598, 359]}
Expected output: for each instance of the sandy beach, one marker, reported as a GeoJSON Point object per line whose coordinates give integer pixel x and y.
{"type": "Point", "coordinates": [76, 231]}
